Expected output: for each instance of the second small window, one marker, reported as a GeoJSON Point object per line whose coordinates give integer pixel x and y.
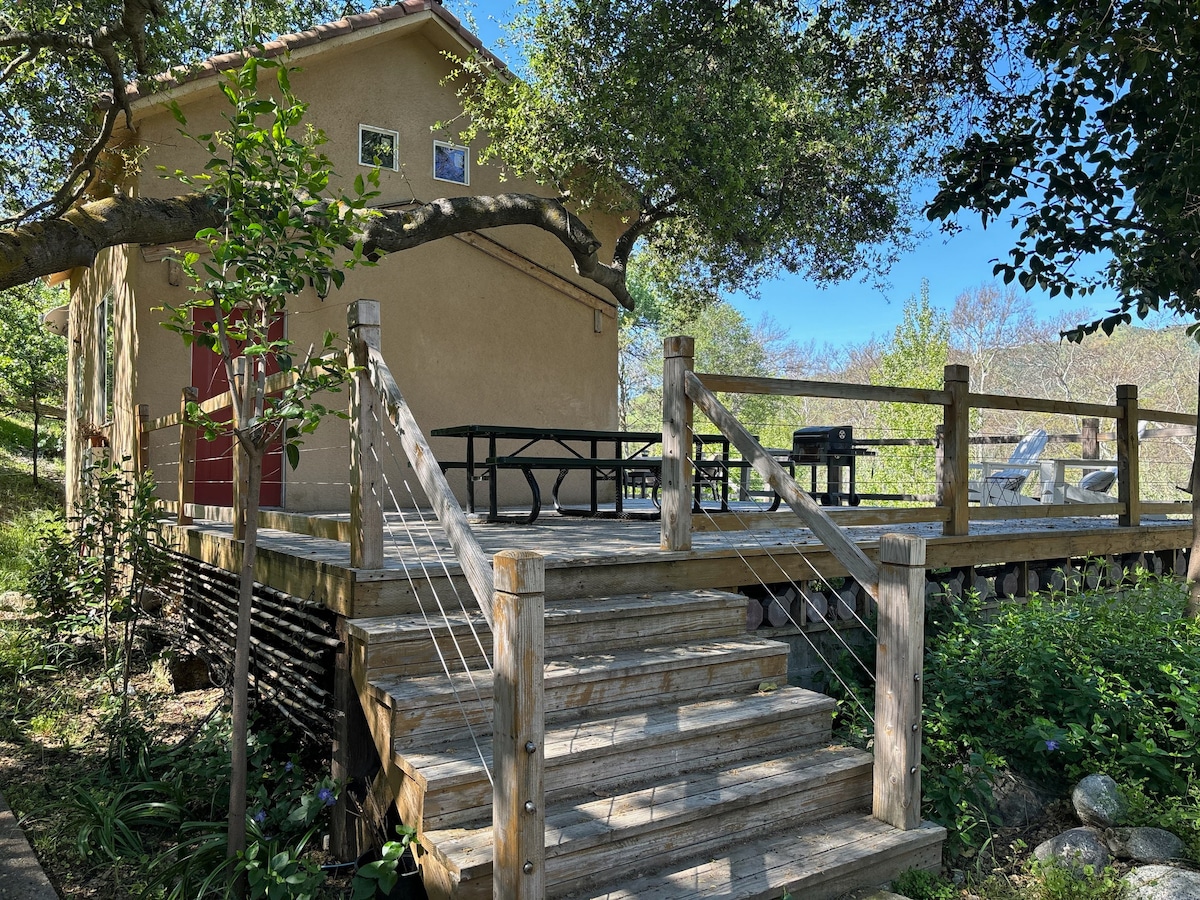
{"type": "Point", "coordinates": [451, 163]}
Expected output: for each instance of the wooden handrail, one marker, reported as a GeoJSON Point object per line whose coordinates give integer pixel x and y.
{"type": "Point", "coordinates": [791, 387]}
{"type": "Point", "coordinates": [846, 551]}
{"type": "Point", "coordinates": [1038, 404]}
{"type": "Point", "coordinates": [475, 563]}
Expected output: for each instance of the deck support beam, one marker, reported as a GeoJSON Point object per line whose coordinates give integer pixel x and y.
{"type": "Point", "coordinates": [896, 797]}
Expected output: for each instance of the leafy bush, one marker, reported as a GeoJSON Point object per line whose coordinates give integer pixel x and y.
{"type": "Point", "coordinates": [1061, 688]}
{"type": "Point", "coordinates": [1056, 689]}
{"type": "Point", "coordinates": [921, 884]}
{"type": "Point", "coordinates": [1055, 882]}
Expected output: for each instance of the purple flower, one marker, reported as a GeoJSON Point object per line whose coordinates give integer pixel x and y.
{"type": "Point", "coordinates": [287, 767]}
{"type": "Point", "coordinates": [1051, 745]}
{"type": "Point", "coordinates": [260, 816]}
{"type": "Point", "coordinates": [326, 796]}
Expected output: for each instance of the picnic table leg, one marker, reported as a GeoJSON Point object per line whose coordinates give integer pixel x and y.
{"type": "Point", "coordinates": [470, 474]}
{"type": "Point", "coordinates": [493, 502]}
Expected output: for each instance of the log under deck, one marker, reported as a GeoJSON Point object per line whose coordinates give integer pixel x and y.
{"type": "Point", "coordinates": [596, 557]}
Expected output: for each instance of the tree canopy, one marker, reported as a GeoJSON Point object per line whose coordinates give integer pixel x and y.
{"type": "Point", "coordinates": [1096, 152]}
{"type": "Point", "coordinates": [737, 137]}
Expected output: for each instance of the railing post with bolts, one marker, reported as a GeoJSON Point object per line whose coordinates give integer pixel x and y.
{"type": "Point", "coordinates": [518, 754]}
{"type": "Point", "coordinates": [186, 494]}
{"type": "Point", "coordinates": [956, 438]}
{"type": "Point", "coordinates": [678, 353]}
{"type": "Point", "coordinates": [1129, 486]}
{"type": "Point", "coordinates": [898, 676]}
{"type": "Point", "coordinates": [366, 440]}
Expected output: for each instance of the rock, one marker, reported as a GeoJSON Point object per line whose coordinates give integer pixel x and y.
{"type": "Point", "coordinates": [1162, 883]}
{"type": "Point", "coordinates": [1074, 849]}
{"type": "Point", "coordinates": [1098, 801]}
{"type": "Point", "coordinates": [1145, 845]}
{"type": "Point", "coordinates": [188, 673]}
{"type": "Point", "coordinates": [1018, 801]}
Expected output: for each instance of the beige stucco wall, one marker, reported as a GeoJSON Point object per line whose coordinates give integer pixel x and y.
{"type": "Point", "coordinates": [470, 338]}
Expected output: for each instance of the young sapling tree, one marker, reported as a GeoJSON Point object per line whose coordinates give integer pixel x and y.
{"type": "Point", "coordinates": [284, 231]}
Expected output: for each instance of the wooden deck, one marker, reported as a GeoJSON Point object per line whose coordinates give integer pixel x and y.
{"type": "Point", "coordinates": [597, 557]}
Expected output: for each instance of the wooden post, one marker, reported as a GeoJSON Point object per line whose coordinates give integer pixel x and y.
{"type": "Point", "coordinates": [1089, 439]}
{"type": "Point", "coordinates": [898, 673]}
{"type": "Point", "coordinates": [956, 432]}
{"type": "Point", "coordinates": [241, 471]}
{"type": "Point", "coordinates": [518, 803]}
{"type": "Point", "coordinates": [1128, 471]}
{"type": "Point", "coordinates": [187, 457]}
{"type": "Point", "coordinates": [939, 464]}
{"type": "Point", "coordinates": [366, 440]}
{"type": "Point", "coordinates": [678, 353]}
{"type": "Point", "coordinates": [143, 438]}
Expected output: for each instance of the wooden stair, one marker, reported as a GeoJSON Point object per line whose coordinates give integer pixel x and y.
{"type": "Point", "coordinates": [678, 761]}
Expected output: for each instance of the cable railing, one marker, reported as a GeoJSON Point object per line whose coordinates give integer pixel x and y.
{"type": "Point", "coordinates": [507, 590]}
{"type": "Point", "coordinates": [896, 583]}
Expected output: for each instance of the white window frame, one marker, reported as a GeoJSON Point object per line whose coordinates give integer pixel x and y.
{"type": "Point", "coordinates": [466, 151]}
{"type": "Point", "coordinates": [387, 132]}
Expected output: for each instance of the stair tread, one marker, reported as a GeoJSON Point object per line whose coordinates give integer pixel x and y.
{"type": "Point", "coordinates": [573, 825]}
{"type": "Point", "coordinates": [767, 865]}
{"type": "Point", "coordinates": [391, 628]}
{"type": "Point", "coordinates": [437, 689]}
{"type": "Point", "coordinates": [457, 762]}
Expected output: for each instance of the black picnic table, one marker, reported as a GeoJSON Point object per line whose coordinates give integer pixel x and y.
{"type": "Point", "coordinates": [585, 450]}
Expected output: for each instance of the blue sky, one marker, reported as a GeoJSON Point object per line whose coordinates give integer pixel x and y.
{"type": "Point", "coordinates": [852, 312]}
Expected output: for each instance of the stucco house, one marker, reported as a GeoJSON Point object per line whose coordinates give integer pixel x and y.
{"type": "Point", "coordinates": [483, 327]}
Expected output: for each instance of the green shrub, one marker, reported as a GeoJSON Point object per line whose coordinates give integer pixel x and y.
{"type": "Point", "coordinates": [921, 884]}
{"type": "Point", "coordinates": [1057, 689]}
{"type": "Point", "coordinates": [1054, 882]}
{"type": "Point", "coordinates": [1061, 688]}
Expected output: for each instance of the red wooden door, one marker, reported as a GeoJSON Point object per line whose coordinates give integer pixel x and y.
{"type": "Point", "coordinates": [214, 459]}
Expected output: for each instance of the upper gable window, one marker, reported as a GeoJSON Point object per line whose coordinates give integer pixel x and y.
{"type": "Point", "coordinates": [378, 146]}
{"type": "Point", "coordinates": [451, 163]}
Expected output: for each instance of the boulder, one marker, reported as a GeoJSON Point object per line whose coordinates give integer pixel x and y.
{"type": "Point", "coordinates": [1098, 801]}
{"type": "Point", "coordinates": [1146, 845]}
{"type": "Point", "coordinates": [1162, 883]}
{"type": "Point", "coordinates": [1074, 849]}
{"type": "Point", "coordinates": [1018, 801]}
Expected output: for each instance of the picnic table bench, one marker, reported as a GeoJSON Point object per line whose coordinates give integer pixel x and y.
{"type": "Point", "coordinates": [584, 449]}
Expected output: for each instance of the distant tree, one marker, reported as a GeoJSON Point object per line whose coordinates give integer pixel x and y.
{"type": "Point", "coordinates": [33, 362]}
{"type": "Point", "coordinates": [985, 321]}
{"type": "Point", "coordinates": [915, 357]}
{"type": "Point", "coordinates": [726, 342]}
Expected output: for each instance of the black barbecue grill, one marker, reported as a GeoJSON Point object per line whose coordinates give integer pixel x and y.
{"type": "Point", "coordinates": [831, 448]}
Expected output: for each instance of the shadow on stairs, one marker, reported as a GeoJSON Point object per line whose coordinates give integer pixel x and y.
{"type": "Point", "coordinates": [669, 772]}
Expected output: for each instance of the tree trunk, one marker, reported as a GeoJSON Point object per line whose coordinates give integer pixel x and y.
{"type": "Point", "coordinates": [241, 661]}
{"type": "Point", "coordinates": [1193, 568]}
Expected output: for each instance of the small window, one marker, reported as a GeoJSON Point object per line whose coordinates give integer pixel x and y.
{"type": "Point", "coordinates": [378, 146]}
{"type": "Point", "coordinates": [451, 163]}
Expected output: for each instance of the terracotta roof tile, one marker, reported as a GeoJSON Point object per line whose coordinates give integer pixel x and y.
{"type": "Point", "coordinates": [316, 35]}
